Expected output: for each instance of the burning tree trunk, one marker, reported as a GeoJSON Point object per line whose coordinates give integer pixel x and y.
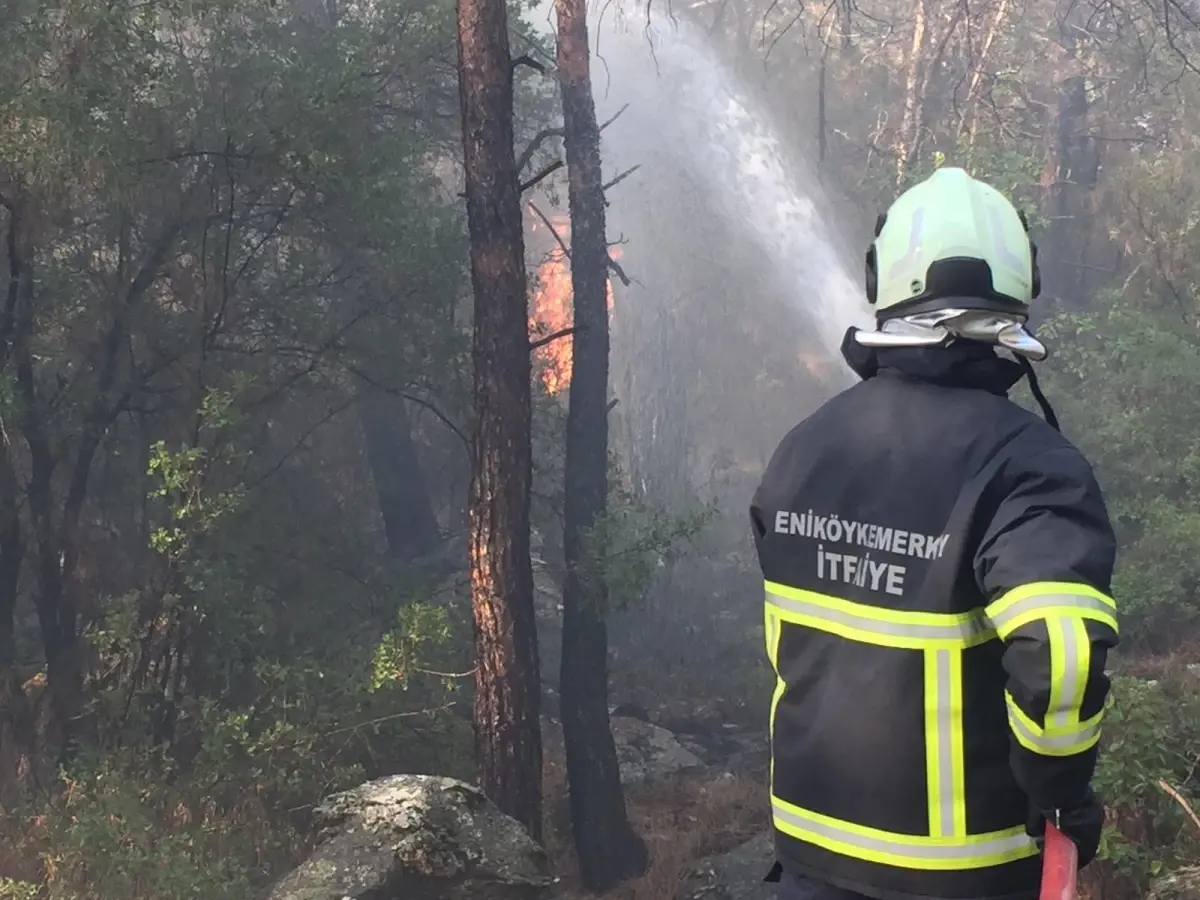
{"type": "Point", "coordinates": [608, 849]}
{"type": "Point", "coordinates": [507, 683]}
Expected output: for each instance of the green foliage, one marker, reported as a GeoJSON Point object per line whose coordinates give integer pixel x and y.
{"type": "Point", "coordinates": [11, 889]}
{"type": "Point", "coordinates": [183, 475]}
{"type": "Point", "coordinates": [632, 541]}
{"type": "Point", "coordinates": [1120, 378]}
{"type": "Point", "coordinates": [1152, 737]}
{"type": "Point", "coordinates": [420, 628]}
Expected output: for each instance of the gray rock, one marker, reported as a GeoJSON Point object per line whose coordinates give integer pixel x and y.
{"type": "Point", "coordinates": [418, 837]}
{"type": "Point", "coordinates": [736, 875]}
{"type": "Point", "coordinates": [1182, 884]}
{"type": "Point", "coordinates": [647, 752]}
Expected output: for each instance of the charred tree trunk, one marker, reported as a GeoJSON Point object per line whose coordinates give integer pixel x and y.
{"type": "Point", "coordinates": [16, 719]}
{"type": "Point", "coordinates": [404, 502]}
{"type": "Point", "coordinates": [16, 726]}
{"type": "Point", "coordinates": [608, 849]}
{"type": "Point", "coordinates": [53, 556]}
{"type": "Point", "coordinates": [508, 741]}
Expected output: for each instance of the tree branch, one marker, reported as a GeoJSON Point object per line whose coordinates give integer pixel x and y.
{"type": "Point", "coordinates": [622, 177]}
{"type": "Point", "coordinates": [542, 342]}
{"type": "Point", "coordinates": [530, 62]}
{"type": "Point", "coordinates": [554, 231]}
{"type": "Point", "coordinates": [619, 272]}
{"type": "Point", "coordinates": [614, 117]}
{"type": "Point", "coordinates": [424, 404]}
{"type": "Point", "coordinates": [542, 175]}
{"type": "Point", "coordinates": [538, 139]}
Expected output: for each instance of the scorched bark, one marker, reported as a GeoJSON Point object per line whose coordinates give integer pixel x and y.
{"type": "Point", "coordinates": [507, 684]}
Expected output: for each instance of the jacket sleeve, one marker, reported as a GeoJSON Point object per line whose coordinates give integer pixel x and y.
{"type": "Point", "coordinates": [1045, 566]}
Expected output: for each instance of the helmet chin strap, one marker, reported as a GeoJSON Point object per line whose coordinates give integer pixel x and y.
{"type": "Point", "coordinates": [1036, 390]}
{"type": "Point", "coordinates": [940, 327]}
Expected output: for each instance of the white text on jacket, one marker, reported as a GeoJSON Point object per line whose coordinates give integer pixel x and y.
{"type": "Point", "coordinates": [860, 571]}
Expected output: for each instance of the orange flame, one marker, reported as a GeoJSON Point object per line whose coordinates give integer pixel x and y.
{"type": "Point", "coordinates": [552, 310]}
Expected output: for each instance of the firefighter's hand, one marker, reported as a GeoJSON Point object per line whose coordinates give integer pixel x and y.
{"type": "Point", "coordinates": [1082, 823]}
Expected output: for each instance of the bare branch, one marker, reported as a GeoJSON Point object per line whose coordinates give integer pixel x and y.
{"type": "Point", "coordinates": [612, 263]}
{"type": "Point", "coordinates": [529, 62]}
{"type": "Point", "coordinates": [622, 176]}
{"type": "Point", "coordinates": [542, 342]}
{"type": "Point", "coordinates": [1178, 798]}
{"type": "Point", "coordinates": [542, 175]}
{"type": "Point", "coordinates": [619, 272]}
{"type": "Point", "coordinates": [554, 231]}
{"type": "Point", "coordinates": [614, 117]}
{"type": "Point", "coordinates": [425, 404]}
{"type": "Point", "coordinates": [538, 139]}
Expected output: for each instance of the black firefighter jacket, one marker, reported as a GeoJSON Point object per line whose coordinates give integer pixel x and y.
{"type": "Point", "coordinates": [937, 564]}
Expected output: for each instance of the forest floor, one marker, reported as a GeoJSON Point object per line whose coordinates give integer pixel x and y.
{"type": "Point", "coordinates": [682, 819]}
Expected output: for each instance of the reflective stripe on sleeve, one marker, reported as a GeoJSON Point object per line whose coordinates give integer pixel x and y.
{"type": "Point", "coordinates": [877, 625]}
{"type": "Point", "coordinates": [1042, 600]}
{"type": "Point", "coordinates": [1070, 663]}
{"type": "Point", "coordinates": [1065, 609]}
{"type": "Point", "coordinates": [1058, 741]}
{"type": "Point", "coordinates": [902, 850]}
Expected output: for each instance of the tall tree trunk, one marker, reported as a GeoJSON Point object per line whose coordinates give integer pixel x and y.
{"type": "Point", "coordinates": [909, 133]}
{"type": "Point", "coordinates": [16, 726]}
{"type": "Point", "coordinates": [404, 502]}
{"type": "Point", "coordinates": [508, 740]}
{"type": "Point", "coordinates": [607, 847]}
{"type": "Point", "coordinates": [16, 718]}
{"type": "Point", "coordinates": [1074, 164]}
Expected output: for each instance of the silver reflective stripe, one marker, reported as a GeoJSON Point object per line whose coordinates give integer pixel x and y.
{"type": "Point", "coordinates": [915, 848]}
{"type": "Point", "coordinates": [970, 630]}
{"type": "Point", "coordinates": [944, 723]}
{"type": "Point", "coordinates": [1059, 714]}
{"type": "Point", "coordinates": [1002, 619]}
{"type": "Point", "coordinates": [1064, 743]}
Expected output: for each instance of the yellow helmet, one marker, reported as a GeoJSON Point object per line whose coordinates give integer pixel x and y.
{"type": "Point", "coordinates": [952, 256]}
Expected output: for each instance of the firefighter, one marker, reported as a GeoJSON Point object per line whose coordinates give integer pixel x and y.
{"type": "Point", "coordinates": [938, 564]}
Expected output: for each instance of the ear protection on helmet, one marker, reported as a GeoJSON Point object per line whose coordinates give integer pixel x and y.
{"type": "Point", "coordinates": [872, 266]}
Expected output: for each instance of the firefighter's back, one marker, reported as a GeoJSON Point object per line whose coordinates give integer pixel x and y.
{"type": "Point", "coordinates": [890, 740]}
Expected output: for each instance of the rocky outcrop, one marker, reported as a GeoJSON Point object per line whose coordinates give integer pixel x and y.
{"type": "Point", "coordinates": [1182, 884]}
{"type": "Point", "coordinates": [418, 837]}
{"type": "Point", "coordinates": [736, 875]}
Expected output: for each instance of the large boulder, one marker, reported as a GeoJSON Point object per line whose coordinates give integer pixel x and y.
{"type": "Point", "coordinates": [418, 837]}
{"type": "Point", "coordinates": [736, 875]}
{"type": "Point", "coordinates": [1182, 884]}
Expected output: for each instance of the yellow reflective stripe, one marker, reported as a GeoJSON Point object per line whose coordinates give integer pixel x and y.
{"type": "Point", "coordinates": [907, 851]}
{"type": "Point", "coordinates": [876, 625]}
{"type": "Point", "coordinates": [774, 632]}
{"type": "Point", "coordinates": [944, 761]}
{"type": "Point", "coordinates": [1070, 662]}
{"type": "Point", "coordinates": [1059, 741]}
{"type": "Point", "coordinates": [1042, 600]}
